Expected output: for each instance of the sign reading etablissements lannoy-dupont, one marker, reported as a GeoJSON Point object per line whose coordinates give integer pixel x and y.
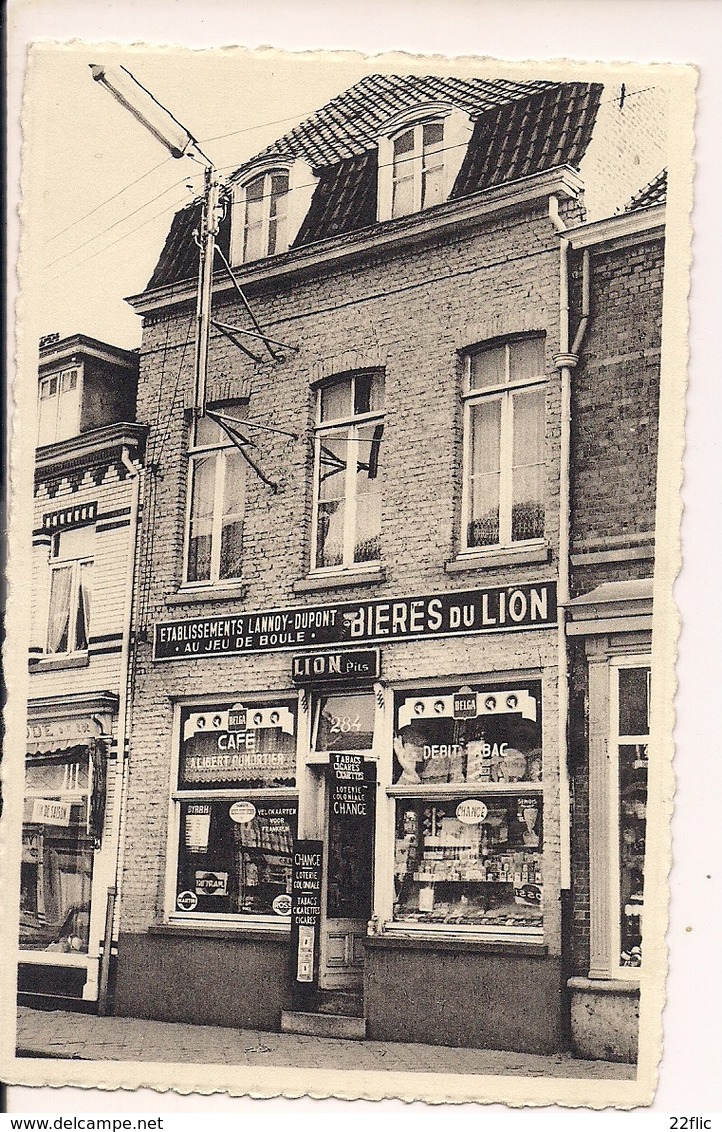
{"type": "Point", "coordinates": [490, 610]}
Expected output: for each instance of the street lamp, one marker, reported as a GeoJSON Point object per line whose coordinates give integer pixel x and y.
{"type": "Point", "coordinates": [166, 129]}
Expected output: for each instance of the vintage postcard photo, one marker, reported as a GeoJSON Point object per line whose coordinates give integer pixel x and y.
{"type": "Point", "coordinates": [346, 516]}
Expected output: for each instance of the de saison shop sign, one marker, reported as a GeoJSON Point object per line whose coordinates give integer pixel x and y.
{"type": "Point", "coordinates": [490, 610]}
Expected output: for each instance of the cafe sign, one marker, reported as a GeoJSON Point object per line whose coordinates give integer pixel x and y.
{"type": "Point", "coordinates": [493, 609]}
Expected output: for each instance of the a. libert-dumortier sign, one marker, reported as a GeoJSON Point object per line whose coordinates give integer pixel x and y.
{"type": "Point", "coordinates": [489, 610]}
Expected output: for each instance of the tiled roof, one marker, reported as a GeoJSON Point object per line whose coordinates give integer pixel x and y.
{"type": "Point", "coordinates": [348, 125]}
{"type": "Point", "coordinates": [546, 129]}
{"type": "Point", "coordinates": [520, 129]}
{"type": "Point", "coordinates": [653, 193]}
{"type": "Point", "coordinates": [179, 258]}
{"type": "Point", "coordinates": [344, 200]}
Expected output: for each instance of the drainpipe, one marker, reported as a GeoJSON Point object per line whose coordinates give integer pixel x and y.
{"type": "Point", "coordinates": [565, 361]}
{"type": "Point", "coordinates": [134, 470]}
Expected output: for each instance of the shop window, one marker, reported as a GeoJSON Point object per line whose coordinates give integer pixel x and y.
{"type": "Point", "coordinates": [348, 472]}
{"type": "Point", "coordinates": [59, 407]}
{"type": "Point", "coordinates": [503, 500]}
{"type": "Point", "coordinates": [57, 854]}
{"type": "Point", "coordinates": [466, 781]}
{"type": "Point", "coordinates": [630, 744]}
{"type": "Point", "coordinates": [71, 589]}
{"type": "Point", "coordinates": [237, 810]}
{"type": "Point", "coordinates": [217, 501]}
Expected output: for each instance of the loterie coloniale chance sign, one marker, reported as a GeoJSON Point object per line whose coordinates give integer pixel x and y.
{"type": "Point", "coordinates": [490, 610]}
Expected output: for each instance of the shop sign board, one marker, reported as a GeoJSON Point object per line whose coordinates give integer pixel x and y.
{"type": "Point", "coordinates": [351, 783]}
{"type": "Point", "coordinates": [328, 667]}
{"type": "Point", "coordinates": [49, 812]}
{"type": "Point", "coordinates": [306, 880]}
{"type": "Point", "coordinates": [492, 609]}
{"type": "Point", "coordinates": [465, 706]}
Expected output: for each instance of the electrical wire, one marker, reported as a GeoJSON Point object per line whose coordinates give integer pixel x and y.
{"type": "Point", "coordinates": [108, 200]}
{"type": "Point", "coordinates": [115, 224]}
{"type": "Point", "coordinates": [124, 236]}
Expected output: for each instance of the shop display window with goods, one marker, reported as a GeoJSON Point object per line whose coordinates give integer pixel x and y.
{"type": "Point", "coordinates": [236, 811]}
{"type": "Point", "coordinates": [57, 854]}
{"type": "Point", "coordinates": [471, 861]}
{"type": "Point", "coordinates": [630, 719]}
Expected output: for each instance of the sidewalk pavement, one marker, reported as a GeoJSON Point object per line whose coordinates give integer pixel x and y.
{"type": "Point", "coordinates": [60, 1034]}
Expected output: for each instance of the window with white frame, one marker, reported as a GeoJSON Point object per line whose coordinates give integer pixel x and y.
{"type": "Point", "coordinates": [629, 744]}
{"type": "Point", "coordinates": [236, 810]}
{"type": "Point", "coordinates": [59, 406]}
{"type": "Point", "coordinates": [71, 589]}
{"type": "Point", "coordinates": [468, 809]}
{"type": "Point", "coordinates": [265, 215]}
{"type": "Point", "coordinates": [418, 168]}
{"type": "Point", "coordinates": [216, 507]}
{"type": "Point", "coordinates": [348, 472]}
{"type": "Point", "coordinates": [504, 444]}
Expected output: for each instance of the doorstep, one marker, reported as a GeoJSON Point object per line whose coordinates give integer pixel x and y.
{"type": "Point", "coordinates": [318, 1025]}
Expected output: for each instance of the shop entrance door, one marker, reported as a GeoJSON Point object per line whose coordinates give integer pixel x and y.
{"type": "Point", "coordinates": [350, 814]}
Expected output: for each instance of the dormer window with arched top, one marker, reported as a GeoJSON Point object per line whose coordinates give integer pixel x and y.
{"type": "Point", "coordinates": [420, 154]}
{"type": "Point", "coordinates": [268, 208]}
{"type": "Point", "coordinates": [418, 168]}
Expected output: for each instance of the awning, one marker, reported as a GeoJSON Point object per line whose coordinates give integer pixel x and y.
{"type": "Point", "coordinates": [60, 723]}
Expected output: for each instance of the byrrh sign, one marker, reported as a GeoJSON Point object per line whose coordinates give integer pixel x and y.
{"type": "Point", "coordinates": [490, 610]}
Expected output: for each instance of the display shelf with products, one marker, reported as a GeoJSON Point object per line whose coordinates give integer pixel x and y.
{"type": "Point", "coordinates": [475, 864]}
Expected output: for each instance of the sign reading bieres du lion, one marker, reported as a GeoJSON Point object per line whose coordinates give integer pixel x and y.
{"type": "Point", "coordinates": [489, 610]}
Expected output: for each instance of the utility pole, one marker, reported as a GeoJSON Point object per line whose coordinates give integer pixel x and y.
{"type": "Point", "coordinates": [171, 133]}
{"type": "Point", "coordinates": [210, 218]}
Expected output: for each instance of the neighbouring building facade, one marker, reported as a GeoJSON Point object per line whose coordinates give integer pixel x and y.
{"type": "Point", "coordinates": [86, 501]}
{"type": "Point", "coordinates": [615, 419]}
{"type": "Point", "coordinates": [349, 804]}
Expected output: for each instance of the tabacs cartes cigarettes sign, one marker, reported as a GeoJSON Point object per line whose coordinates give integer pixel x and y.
{"type": "Point", "coordinates": [490, 610]}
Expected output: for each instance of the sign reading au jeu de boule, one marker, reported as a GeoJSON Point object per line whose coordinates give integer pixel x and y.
{"type": "Point", "coordinates": [493, 609]}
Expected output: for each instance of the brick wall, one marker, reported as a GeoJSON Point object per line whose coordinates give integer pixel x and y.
{"type": "Point", "coordinates": [615, 409]}
{"type": "Point", "coordinates": [410, 312]}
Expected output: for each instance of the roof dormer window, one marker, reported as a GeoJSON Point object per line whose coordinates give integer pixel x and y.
{"type": "Point", "coordinates": [420, 154]}
{"type": "Point", "coordinates": [265, 230]}
{"type": "Point", "coordinates": [268, 208]}
{"type": "Point", "coordinates": [418, 168]}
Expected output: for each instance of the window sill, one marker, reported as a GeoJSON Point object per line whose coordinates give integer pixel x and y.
{"type": "Point", "coordinates": [207, 594]}
{"type": "Point", "coordinates": [529, 554]}
{"type": "Point", "coordinates": [222, 931]}
{"type": "Point", "coordinates": [56, 664]}
{"type": "Point", "coordinates": [604, 986]}
{"type": "Point", "coordinates": [426, 941]}
{"type": "Point", "coordinates": [315, 582]}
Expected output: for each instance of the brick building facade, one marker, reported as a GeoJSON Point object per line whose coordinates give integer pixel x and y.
{"type": "Point", "coordinates": [348, 645]}
{"type": "Point", "coordinates": [85, 511]}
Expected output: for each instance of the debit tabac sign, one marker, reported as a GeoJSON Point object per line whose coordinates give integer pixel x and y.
{"type": "Point", "coordinates": [493, 609]}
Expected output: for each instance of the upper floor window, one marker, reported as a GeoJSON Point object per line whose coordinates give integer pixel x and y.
{"type": "Point", "coordinates": [71, 587]}
{"type": "Point", "coordinates": [418, 168]}
{"type": "Point", "coordinates": [347, 504]}
{"type": "Point", "coordinates": [504, 458]}
{"type": "Point", "coordinates": [420, 153]}
{"type": "Point", "coordinates": [217, 478]}
{"type": "Point", "coordinates": [269, 207]}
{"type": "Point", "coordinates": [265, 230]}
{"type": "Point", "coordinates": [59, 407]}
